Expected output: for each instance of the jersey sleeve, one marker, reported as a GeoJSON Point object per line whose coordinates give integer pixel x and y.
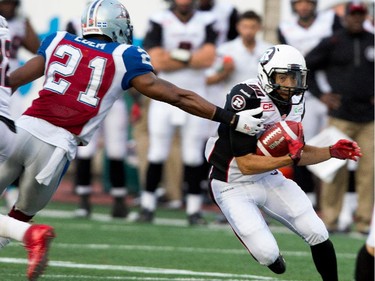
{"type": "Point", "coordinates": [45, 43]}
{"type": "Point", "coordinates": [240, 98]}
{"type": "Point", "coordinates": [153, 36]}
{"type": "Point", "coordinates": [137, 62]}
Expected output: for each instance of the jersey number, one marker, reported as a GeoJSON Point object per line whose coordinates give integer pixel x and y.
{"type": "Point", "coordinates": [97, 66]}
{"type": "Point", "coordinates": [4, 64]}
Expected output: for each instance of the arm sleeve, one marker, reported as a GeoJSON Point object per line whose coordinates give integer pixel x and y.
{"type": "Point", "coordinates": [232, 30]}
{"type": "Point", "coordinates": [137, 62]}
{"type": "Point", "coordinates": [70, 28]}
{"type": "Point", "coordinates": [240, 98]}
{"type": "Point", "coordinates": [211, 34]}
{"type": "Point", "coordinates": [153, 37]}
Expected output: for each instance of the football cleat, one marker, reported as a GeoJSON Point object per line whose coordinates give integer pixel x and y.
{"type": "Point", "coordinates": [145, 216]}
{"type": "Point", "coordinates": [36, 240]}
{"type": "Point", "coordinates": [278, 266]}
{"type": "Point", "coordinates": [84, 208]}
{"type": "Point", "coordinates": [196, 219]}
{"type": "Point", "coordinates": [119, 208]}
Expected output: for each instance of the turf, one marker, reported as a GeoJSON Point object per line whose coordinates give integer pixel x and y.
{"type": "Point", "coordinates": [105, 249]}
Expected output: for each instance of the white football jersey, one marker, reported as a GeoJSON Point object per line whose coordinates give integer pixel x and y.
{"type": "Point", "coordinates": [218, 149]}
{"type": "Point", "coordinates": [305, 39]}
{"type": "Point", "coordinates": [5, 92]}
{"type": "Point", "coordinates": [191, 36]}
{"type": "Point", "coordinates": [17, 28]}
{"type": "Point", "coordinates": [222, 11]}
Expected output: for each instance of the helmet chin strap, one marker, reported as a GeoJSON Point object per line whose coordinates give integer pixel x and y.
{"type": "Point", "coordinates": [277, 97]}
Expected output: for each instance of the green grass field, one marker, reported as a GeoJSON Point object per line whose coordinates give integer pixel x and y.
{"type": "Point", "coordinates": [105, 249]}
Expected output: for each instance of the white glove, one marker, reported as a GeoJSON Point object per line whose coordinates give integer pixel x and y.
{"type": "Point", "coordinates": [247, 123]}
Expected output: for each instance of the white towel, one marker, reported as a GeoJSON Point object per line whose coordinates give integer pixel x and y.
{"type": "Point", "coordinates": [45, 175]}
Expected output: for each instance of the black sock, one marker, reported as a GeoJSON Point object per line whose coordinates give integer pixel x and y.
{"type": "Point", "coordinates": [364, 267]}
{"type": "Point", "coordinates": [324, 257]}
{"type": "Point", "coordinates": [153, 176]}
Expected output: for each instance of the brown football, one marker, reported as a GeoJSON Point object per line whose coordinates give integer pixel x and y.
{"type": "Point", "coordinates": [273, 141]}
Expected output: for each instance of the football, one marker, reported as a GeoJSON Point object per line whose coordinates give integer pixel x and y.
{"type": "Point", "coordinates": [273, 141]}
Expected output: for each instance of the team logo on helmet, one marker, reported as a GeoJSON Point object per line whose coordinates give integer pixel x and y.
{"type": "Point", "coordinates": [267, 56]}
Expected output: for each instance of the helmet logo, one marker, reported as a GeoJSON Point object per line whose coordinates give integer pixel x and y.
{"type": "Point", "coordinates": [238, 102]}
{"type": "Point", "coordinates": [101, 24]}
{"type": "Point", "coordinates": [267, 56]}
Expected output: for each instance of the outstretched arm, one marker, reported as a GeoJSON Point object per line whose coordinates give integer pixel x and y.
{"type": "Point", "coordinates": [152, 86]}
{"type": "Point", "coordinates": [30, 71]}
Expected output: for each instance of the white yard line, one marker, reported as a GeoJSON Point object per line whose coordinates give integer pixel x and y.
{"type": "Point", "coordinates": [147, 270]}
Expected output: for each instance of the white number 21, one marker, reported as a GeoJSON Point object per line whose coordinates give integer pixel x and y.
{"type": "Point", "coordinates": [97, 65]}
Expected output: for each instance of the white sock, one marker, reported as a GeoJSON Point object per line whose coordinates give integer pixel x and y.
{"type": "Point", "coordinates": [148, 200]}
{"type": "Point", "coordinates": [12, 228]}
{"type": "Point", "coordinates": [193, 204]}
{"type": "Point", "coordinates": [348, 208]}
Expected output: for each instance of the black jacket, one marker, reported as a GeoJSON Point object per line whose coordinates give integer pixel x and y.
{"type": "Point", "coordinates": [348, 60]}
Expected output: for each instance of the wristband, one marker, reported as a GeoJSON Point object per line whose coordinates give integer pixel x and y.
{"type": "Point", "coordinates": [225, 117]}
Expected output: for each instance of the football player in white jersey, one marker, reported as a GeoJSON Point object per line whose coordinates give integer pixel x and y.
{"type": "Point", "coordinates": [243, 183]}
{"type": "Point", "coordinates": [114, 132]}
{"type": "Point", "coordinates": [181, 43]}
{"type": "Point", "coordinates": [22, 34]}
{"type": "Point", "coordinates": [83, 78]}
{"type": "Point", "coordinates": [226, 14]}
{"type": "Point", "coordinates": [304, 30]}
{"type": "Point", "coordinates": [36, 237]}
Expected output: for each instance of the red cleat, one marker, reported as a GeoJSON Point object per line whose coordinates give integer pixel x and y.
{"type": "Point", "coordinates": [36, 240]}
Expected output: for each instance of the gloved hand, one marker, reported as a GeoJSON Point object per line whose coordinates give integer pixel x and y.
{"type": "Point", "coordinates": [345, 149]}
{"type": "Point", "coordinates": [295, 148]}
{"type": "Point", "coordinates": [247, 122]}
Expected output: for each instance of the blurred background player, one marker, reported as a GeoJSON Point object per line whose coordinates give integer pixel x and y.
{"type": "Point", "coordinates": [24, 36]}
{"type": "Point", "coordinates": [181, 44]}
{"type": "Point", "coordinates": [304, 31]}
{"type": "Point", "coordinates": [226, 15]}
{"type": "Point", "coordinates": [347, 57]}
{"type": "Point", "coordinates": [113, 132]}
{"type": "Point", "coordinates": [239, 57]}
{"type": "Point", "coordinates": [35, 238]}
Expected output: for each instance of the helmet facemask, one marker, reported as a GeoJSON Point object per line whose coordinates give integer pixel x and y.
{"type": "Point", "coordinates": [293, 73]}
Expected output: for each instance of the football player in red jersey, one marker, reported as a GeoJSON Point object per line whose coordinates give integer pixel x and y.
{"type": "Point", "coordinates": [243, 183]}
{"type": "Point", "coordinates": [83, 78]}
